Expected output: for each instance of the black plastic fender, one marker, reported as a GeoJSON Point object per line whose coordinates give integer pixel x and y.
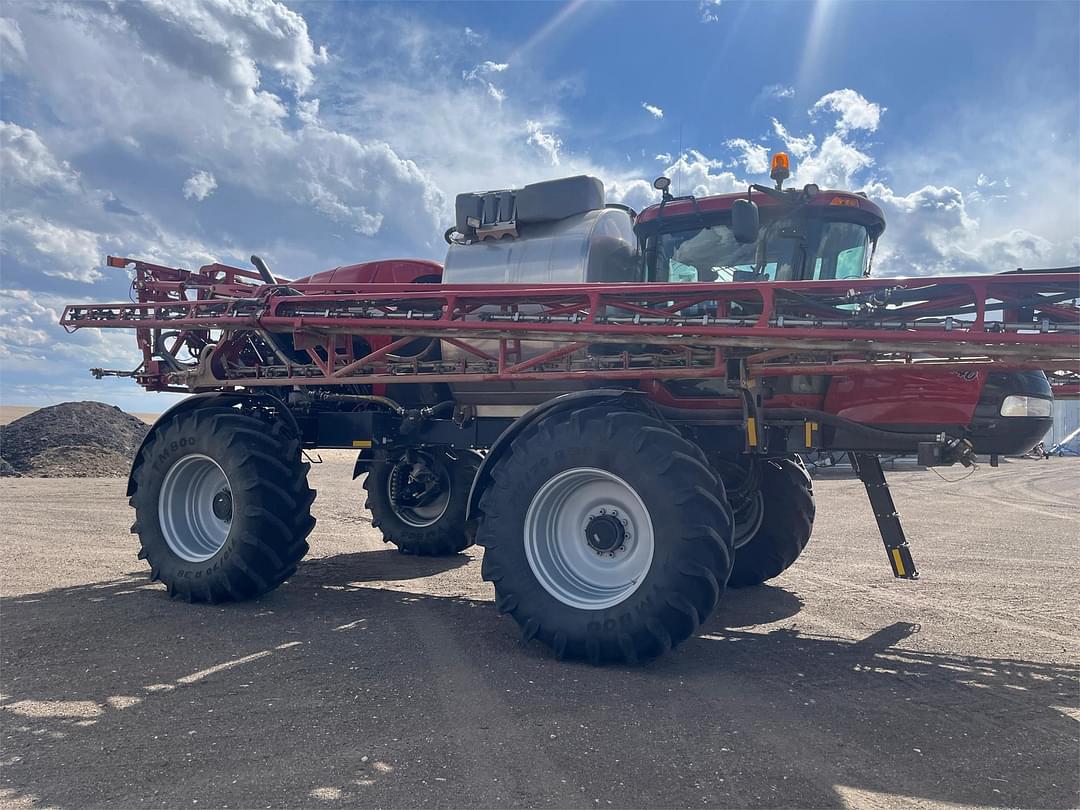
{"type": "Point", "coordinates": [195, 401]}
{"type": "Point", "coordinates": [574, 399]}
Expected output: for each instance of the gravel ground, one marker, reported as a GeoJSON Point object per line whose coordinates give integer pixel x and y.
{"type": "Point", "coordinates": [376, 679]}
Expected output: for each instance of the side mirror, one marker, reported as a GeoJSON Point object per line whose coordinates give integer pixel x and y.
{"type": "Point", "coordinates": [744, 221]}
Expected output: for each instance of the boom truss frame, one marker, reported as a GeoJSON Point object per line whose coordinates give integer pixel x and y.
{"type": "Point", "coordinates": [218, 328]}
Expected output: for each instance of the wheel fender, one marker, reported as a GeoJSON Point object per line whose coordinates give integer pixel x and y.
{"type": "Point", "coordinates": [575, 399]}
{"type": "Point", "coordinates": [197, 401]}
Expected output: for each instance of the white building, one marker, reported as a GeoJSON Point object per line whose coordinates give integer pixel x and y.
{"type": "Point", "coordinates": [1066, 420]}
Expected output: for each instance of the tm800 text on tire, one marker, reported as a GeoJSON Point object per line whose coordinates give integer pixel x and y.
{"type": "Point", "coordinates": [606, 535]}
{"type": "Point", "coordinates": [222, 505]}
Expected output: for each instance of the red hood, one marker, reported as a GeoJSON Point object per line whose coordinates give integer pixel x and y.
{"type": "Point", "coordinates": [723, 202]}
{"type": "Point", "coordinates": [384, 271]}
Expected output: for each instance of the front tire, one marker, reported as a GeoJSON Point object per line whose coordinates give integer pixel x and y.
{"type": "Point", "coordinates": [419, 500]}
{"type": "Point", "coordinates": [786, 522]}
{"type": "Point", "coordinates": [222, 505]}
{"type": "Point", "coordinates": [606, 535]}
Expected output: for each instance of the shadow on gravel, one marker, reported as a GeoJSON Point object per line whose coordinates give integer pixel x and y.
{"type": "Point", "coordinates": [387, 564]}
{"type": "Point", "coordinates": [336, 691]}
{"type": "Point", "coordinates": [765, 604]}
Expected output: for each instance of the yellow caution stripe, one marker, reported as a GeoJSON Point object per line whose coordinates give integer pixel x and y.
{"type": "Point", "coordinates": [898, 563]}
{"type": "Point", "coordinates": [361, 443]}
{"type": "Point", "coordinates": [751, 431]}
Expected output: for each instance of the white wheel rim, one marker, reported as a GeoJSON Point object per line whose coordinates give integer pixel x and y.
{"type": "Point", "coordinates": [560, 554]}
{"type": "Point", "coordinates": [192, 528]}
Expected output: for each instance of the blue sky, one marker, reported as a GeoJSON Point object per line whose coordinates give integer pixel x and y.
{"type": "Point", "coordinates": [318, 134]}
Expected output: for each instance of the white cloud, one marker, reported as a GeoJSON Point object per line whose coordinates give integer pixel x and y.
{"type": "Point", "coordinates": [485, 68]}
{"type": "Point", "coordinates": [307, 111]}
{"type": "Point", "coordinates": [60, 227]}
{"type": "Point", "coordinates": [776, 91]}
{"type": "Point", "coordinates": [12, 46]}
{"type": "Point", "coordinates": [636, 193]}
{"type": "Point", "coordinates": [220, 116]}
{"type": "Point", "coordinates": [932, 232]}
{"type": "Point", "coordinates": [62, 251]}
{"type": "Point", "coordinates": [481, 73]}
{"type": "Point", "coordinates": [222, 40]}
{"type": "Point", "coordinates": [754, 157]}
{"type": "Point", "coordinates": [988, 190]}
{"type": "Point", "coordinates": [546, 143]}
{"type": "Point", "coordinates": [708, 10]}
{"type": "Point", "coordinates": [835, 164]}
{"type": "Point", "coordinates": [694, 173]}
{"type": "Point", "coordinates": [355, 216]}
{"type": "Point", "coordinates": [944, 202]}
{"type": "Point", "coordinates": [663, 156]}
{"type": "Point", "coordinates": [60, 248]}
{"type": "Point", "coordinates": [26, 160]}
{"type": "Point", "coordinates": [652, 109]}
{"type": "Point", "coordinates": [31, 321]}
{"type": "Point", "coordinates": [1019, 248]}
{"type": "Point", "coordinates": [855, 111]}
{"type": "Point", "coordinates": [199, 186]}
{"type": "Point", "coordinates": [361, 174]}
{"type": "Point", "coordinates": [798, 147]}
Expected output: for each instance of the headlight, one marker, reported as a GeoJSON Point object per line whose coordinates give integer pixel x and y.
{"type": "Point", "coordinates": [1018, 405]}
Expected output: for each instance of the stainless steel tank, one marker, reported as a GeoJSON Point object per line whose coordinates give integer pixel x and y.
{"type": "Point", "coordinates": [597, 246]}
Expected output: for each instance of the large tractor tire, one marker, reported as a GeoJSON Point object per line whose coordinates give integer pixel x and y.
{"type": "Point", "coordinates": [606, 535]}
{"type": "Point", "coordinates": [222, 505]}
{"type": "Point", "coordinates": [420, 499]}
{"type": "Point", "coordinates": [786, 521]}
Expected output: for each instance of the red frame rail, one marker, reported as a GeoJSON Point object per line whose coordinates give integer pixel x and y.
{"type": "Point", "coordinates": [583, 331]}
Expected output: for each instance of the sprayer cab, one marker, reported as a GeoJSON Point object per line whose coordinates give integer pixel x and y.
{"type": "Point", "coordinates": [763, 234]}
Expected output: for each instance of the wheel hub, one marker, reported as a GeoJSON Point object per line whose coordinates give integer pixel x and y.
{"type": "Point", "coordinates": [588, 538]}
{"type": "Point", "coordinates": [420, 487]}
{"type": "Point", "coordinates": [222, 505]}
{"type": "Point", "coordinates": [195, 507]}
{"type": "Point", "coordinates": [419, 490]}
{"type": "Point", "coordinates": [604, 533]}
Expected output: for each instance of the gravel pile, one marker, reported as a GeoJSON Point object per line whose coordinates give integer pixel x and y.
{"type": "Point", "coordinates": [72, 440]}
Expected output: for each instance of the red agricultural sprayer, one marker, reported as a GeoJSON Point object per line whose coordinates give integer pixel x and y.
{"type": "Point", "coordinates": [613, 404]}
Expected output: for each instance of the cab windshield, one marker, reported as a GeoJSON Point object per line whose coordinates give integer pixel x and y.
{"type": "Point", "coordinates": [793, 250]}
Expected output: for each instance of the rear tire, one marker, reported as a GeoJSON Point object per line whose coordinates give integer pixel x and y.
{"type": "Point", "coordinates": [431, 525]}
{"type": "Point", "coordinates": [222, 505]}
{"type": "Point", "coordinates": [787, 521]}
{"type": "Point", "coordinates": [549, 525]}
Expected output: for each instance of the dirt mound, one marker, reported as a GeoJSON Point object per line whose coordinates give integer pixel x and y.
{"type": "Point", "coordinates": [75, 439]}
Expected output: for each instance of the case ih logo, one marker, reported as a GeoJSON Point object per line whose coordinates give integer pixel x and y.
{"type": "Point", "coordinates": [966, 375]}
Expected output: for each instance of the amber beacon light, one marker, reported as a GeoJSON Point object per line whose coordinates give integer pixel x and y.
{"type": "Point", "coordinates": [781, 169]}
